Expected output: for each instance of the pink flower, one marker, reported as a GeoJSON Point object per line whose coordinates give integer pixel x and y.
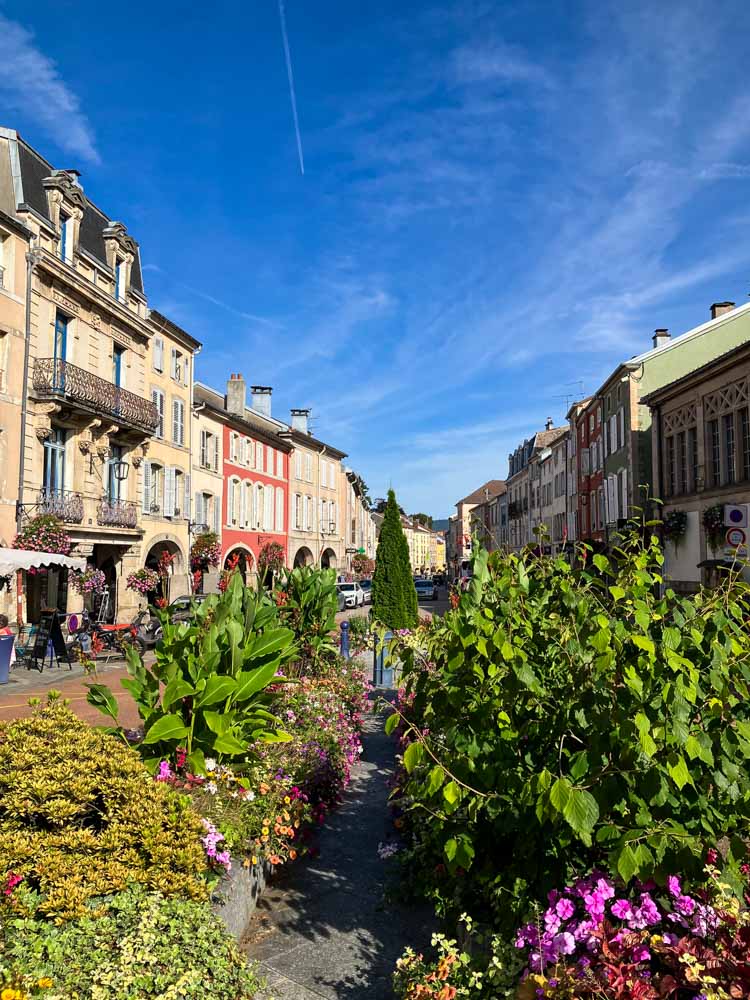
{"type": "Point", "coordinates": [641, 954]}
{"type": "Point", "coordinates": [564, 909]}
{"type": "Point", "coordinates": [564, 944]}
{"type": "Point", "coordinates": [673, 884]}
{"type": "Point", "coordinates": [622, 909]}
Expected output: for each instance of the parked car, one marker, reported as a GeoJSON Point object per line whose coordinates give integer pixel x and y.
{"type": "Point", "coordinates": [181, 607]}
{"type": "Point", "coordinates": [353, 594]}
{"type": "Point", "coordinates": [426, 590]}
{"type": "Point", "coordinates": [366, 586]}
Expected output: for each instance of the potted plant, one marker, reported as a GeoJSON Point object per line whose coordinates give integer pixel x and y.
{"type": "Point", "coordinates": [143, 581]}
{"type": "Point", "coordinates": [45, 533]}
{"type": "Point", "coordinates": [90, 581]}
{"type": "Point", "coordinates": [205, 552]}
{"type": "Point", "coordinates": [674, 525]}
{"type": "Point", "coordinates": [713, 523]}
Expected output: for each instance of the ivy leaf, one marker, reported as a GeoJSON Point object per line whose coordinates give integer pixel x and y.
{"type": "Point", "coordinates": [391, 722]}
{"type": "Point", "coordinates": [642, 642]}
{"type": "Point", "coordinates": [581, 811]}
{"type": "Point", "coordinates": [678, 771]}
{"type": "Point", "coordinates": [617, 593]}
{"type": "Point", "coordinates": [627, 864]}
{"type": "Point", "coordinates": [413, 756]}
{"type": "Point", "coordinates": [560, 794]}
{"type": "Point", "coordinates": [437, 777]}
{"type": "Point", "coordinates": [449, 848]}
{"type": "Point", "coordinates": [451, 794]}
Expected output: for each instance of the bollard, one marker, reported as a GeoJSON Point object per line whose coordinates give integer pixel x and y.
{"type": "Point", "coordinates": [345, 640]}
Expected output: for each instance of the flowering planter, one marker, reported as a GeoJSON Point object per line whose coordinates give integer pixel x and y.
{"type": "Point", "coordinates": [236, 897]}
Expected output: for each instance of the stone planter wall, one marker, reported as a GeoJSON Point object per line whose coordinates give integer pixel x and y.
{"type": "Point", "coordinates": [237, 895]}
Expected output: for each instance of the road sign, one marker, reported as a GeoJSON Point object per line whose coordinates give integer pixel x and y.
{"type": "Point", "coordinates": [736, 537]}
{"type": "Point", "coordinates": [735, 515]}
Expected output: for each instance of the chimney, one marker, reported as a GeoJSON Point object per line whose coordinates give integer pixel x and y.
{"type": "Point", "coordinates": [719, 308]}
{"type": "Point", "coordinates": [236, 395]}
{"type": "Point", "coordinates": [262, 399]}
{"type": "Point", "coordinates": [549, 424]}
{"type": "Point", "coordinates": [299, 420]}
{"type": "Point", "coordinates": [661, 336]}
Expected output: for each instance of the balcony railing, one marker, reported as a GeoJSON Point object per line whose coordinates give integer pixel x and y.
{"type": "Point", "coordinates": [62, 503]}
{"type": "Point", "coordinates": [59, 379]}
{"type": "Point", "coordinates": [117, 514]}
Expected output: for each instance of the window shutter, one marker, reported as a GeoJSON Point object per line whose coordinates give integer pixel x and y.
{"type": "Point", "coordinates": [268, 508]}
{"type": "Point", "coordinates": [308, 468]}
{"type": "Point", "coordinates": [215, 452]}
{"type": "Point", "coordinates": [298, 464]}
{"type": "Point", "coordinates": [332, 516]}
{"type": "Point", "coordinates": [243, 505]}
{"type": "Point", "coordinates": [280, 464]}
{"type": "Point", "coordinates": [304, 513]}
{"type": "Point", "coordinates": [217, 514]}
{"type": "Point", "coordinates": [324, 473]}
{"type": "Point", "coordinates": [621, 416]}
{"type": "Point", "coordinates": [173, 369]}
{"type": "Point", "coordinates": [200, 516]}
{"type": "Point", "coordinates": [146, 487]}
{"type": "Point", "coordinates": [186, 507]}
{"type": "Point", "coordinates": [204, 449]}
{"type": "Point", "coordinates": [625, 504]}
{"type": "Point", "coordinates": [279, 509]}
{"type": "Point", "coordinates": [169, 485]}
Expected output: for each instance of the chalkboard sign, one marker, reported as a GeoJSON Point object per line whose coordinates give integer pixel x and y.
{"type": "Point", "coordinates": [49, 639]}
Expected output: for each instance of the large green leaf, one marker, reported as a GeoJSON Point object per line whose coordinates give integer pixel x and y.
{"type": "Point", "coordinates": [167, 727]}
{"type": "Point", "coordinates": [218, 688]}
{"type": "Point", "coordinates": [101, 697]}
{"type": "Point", "coordinates": [177, 689]}
{"type": "Point", "coordinates": [413, 755]}
{"type": "Point", "coordinates": [560, 794]}
{"type": "Point", "coordinates": [581, 811]}
{"type": "Point", "coordinates": [250, 682]}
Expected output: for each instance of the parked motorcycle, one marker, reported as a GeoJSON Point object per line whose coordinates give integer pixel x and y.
{"type": "Point", "coordinates": [109, 638]}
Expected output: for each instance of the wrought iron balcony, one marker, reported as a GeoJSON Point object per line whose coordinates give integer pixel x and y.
{"type": "Point", "coordinates": [55, 379]}
{"type": "Point", "coordinates": [117, 514]}
{"type": "Point", "coordinates": [67, 506]}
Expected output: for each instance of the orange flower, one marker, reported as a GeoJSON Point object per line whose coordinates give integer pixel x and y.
{"type": "Point", "coordinates": [275, 859]}
{"type": "Point", "coordinates": [293, 855]}
{"type": "Point", "coordinates": [447, 993]}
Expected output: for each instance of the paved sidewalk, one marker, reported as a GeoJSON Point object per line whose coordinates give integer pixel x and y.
{"type": "Point", "coordinates": [72, 685]}
{"type": "Point", "coordinates": [323, 928]}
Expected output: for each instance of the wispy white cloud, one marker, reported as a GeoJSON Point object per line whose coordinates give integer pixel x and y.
{"type": "Point", "coordinates": [199, 293]}
{"type": "Point", "coordinates": [498, 62]}
{"type": "Point", "coordinates": [30, 83]}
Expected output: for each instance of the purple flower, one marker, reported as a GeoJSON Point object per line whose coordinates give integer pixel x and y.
{"type": "Point", "coordinates": [622, 909]}
{"type": "Point", "coordinates": [164, 773]}
{"type": "Point", "coordinates": [564, 909]}
{"type": "Point", "coordinates": [564, 944]}
{"type": "Point", "coordinates": [673, 884]}
{"type": "Point", "coordinates": [641, 953]}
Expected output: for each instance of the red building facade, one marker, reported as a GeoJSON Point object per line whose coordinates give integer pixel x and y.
{"type": "Point", "coordinates": [256, 493]}
{"type": "Point", "coordinates": [590, 441]}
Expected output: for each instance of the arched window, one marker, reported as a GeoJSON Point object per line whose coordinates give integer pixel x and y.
{"type": "Point", "coordinates": [279, 509]}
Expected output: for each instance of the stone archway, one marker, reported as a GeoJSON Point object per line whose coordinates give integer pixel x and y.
{"type": "Point", "coordinates": [303, 557]}
{"type": "Point", "coordinates": [328, 559]}
{"type": "Point", "coordinates": [160, 547]}
{"type": "Point", "coordinates": [245, 561]}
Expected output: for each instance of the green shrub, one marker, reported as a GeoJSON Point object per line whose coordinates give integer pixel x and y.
{"type": "Point", "coordinates": [206, 690]}
{"type": "Point", "coordinates": [80, 817]}
{"type": "Point", "coordinates": [394, 599]}
{"type": "Point", "coordinates": [359, 630]}
{"type": "Point", "coordinates": [576, 718]}
{"type": "Point", "coordinates": [144, 946]}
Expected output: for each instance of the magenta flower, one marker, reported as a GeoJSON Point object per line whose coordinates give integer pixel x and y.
{"type": "Point", "coordinates": [564, 909]}
{"type": "Point", "coordinates": [641, 954]}
{"type": "Point", "coordinates": [622, 909]}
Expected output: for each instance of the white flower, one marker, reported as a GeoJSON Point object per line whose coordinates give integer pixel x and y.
{"type": "Point", "coordinates": [250, 796]}
{"type": "Point", "coordinates": [210, 764]}
{"type": "Point", "coordinates": [211, 787]}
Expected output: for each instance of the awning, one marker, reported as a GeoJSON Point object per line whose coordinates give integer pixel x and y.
{"type": "Point", "coordinates": [14, 559]}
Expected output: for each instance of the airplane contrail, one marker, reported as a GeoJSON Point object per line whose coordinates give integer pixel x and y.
{"type": "Point", "coordinates": [290, 74]}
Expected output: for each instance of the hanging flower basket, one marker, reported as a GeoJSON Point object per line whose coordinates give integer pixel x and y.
{"type": "Point", "coordinates": [205, 552]}
{"type": "Point", "coordinates": [45, 533]}
{"type": "Point", "coordinates": [713, 523]}
{"type": "Point", "coordinates": [363, 565]}
{"type": "Point", "coordinates": [91, 581]}
{"type": "Point", "coordinates": [271, 557]}
{"type": "Point", "coordinates": [144, 581]}
{"type": "Point", "coordinates": [674, 525]}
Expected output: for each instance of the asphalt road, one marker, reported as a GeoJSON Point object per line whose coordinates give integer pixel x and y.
{"type": "Point", "coordinates": [438, 607]}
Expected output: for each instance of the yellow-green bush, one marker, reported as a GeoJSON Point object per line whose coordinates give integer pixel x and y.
{"type": "Point", "coordinates": [80, 817]}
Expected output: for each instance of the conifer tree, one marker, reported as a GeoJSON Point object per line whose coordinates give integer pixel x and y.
{"type": "Point", "coordinates": [394, 599]}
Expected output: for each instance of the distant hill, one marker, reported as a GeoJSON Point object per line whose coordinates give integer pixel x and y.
{"type": "Point", "coordinates": [440, 524]}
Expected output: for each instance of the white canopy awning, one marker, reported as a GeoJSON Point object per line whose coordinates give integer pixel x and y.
{"type": "Point", "coordinates": [13, 559]}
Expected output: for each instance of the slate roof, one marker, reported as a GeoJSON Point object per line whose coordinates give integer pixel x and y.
{"type": "Point", "coordinates": [495, 488]}
{"type": "Point", "coordinates": [34, 169]}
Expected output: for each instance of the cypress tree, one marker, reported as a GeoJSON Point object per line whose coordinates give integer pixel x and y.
{"type": "Point", "coordinates": [394, 599]}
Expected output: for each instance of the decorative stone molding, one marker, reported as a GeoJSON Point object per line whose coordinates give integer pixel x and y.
{"type": "Point", "coordinates": [84, 445]}
{"type": "Point", "coordinates": [43, 433]}
{"type": "Point", "coordinates": [135, 461]}
{"type": "Point", "coordinates": [117, 234]}
{"type": "Point", "coordinates": [62, 188]}
{"type": "Point", "coordinates": [103, 451]}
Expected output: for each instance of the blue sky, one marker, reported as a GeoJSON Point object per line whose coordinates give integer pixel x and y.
{"type": "Point", "coordinates": [499, 199]}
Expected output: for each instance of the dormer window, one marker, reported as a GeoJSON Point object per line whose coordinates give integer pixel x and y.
{"type": "Point", "coordinates": [119, 280]}
{"type": "Point", "coordinates": [66, 237]}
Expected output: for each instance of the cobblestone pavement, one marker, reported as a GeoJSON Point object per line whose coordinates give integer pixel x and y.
{"type": "Point", "coordinates": [324, 928]}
